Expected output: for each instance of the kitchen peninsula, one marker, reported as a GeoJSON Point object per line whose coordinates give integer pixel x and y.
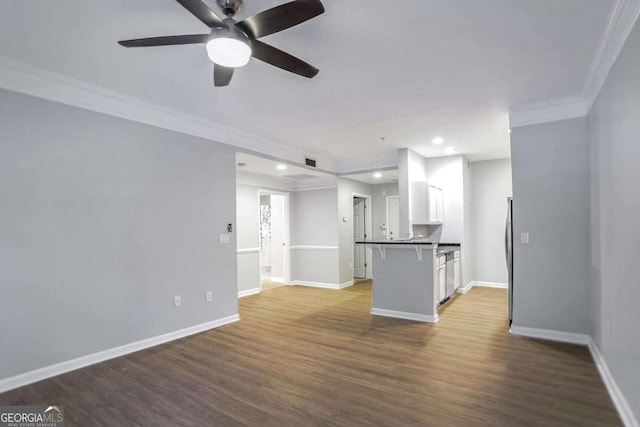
{"type": "Point", "coordinates": [404, 277]}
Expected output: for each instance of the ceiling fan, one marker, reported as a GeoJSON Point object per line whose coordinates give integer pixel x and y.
{"type": "Point", "coordinates": [231, 44]}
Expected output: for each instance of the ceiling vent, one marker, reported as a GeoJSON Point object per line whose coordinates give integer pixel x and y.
{"type": "Point", "coordinates": [310, 162]}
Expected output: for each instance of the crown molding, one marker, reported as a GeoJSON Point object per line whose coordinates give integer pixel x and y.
{"type": "Point", "coordinates": [360, 165]}
{"type": "Point", "coordinates": [548, 111]}
{"type": "Point", "coordinates": [24, 78]}
{"type": "Point", "coordinates": [622, 18]}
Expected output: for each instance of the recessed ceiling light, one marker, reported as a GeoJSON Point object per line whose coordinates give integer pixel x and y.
{"type": "Point", "coordinates": [281, 167]}
{"type": "Point", "coordinates": [509, 130]}
{"type": "Point", "coordinates": [438, 140]}
{"type": "Point", "coordinates": [377, 175]}
{"type": "Point", "coordinates": [450, 150]}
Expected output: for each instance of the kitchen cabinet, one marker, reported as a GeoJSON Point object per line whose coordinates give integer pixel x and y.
{"type": "Point", "coordinates": [441, 278]}
{"type": "Point", "coordinates": [427, 204]}
{"type": "Point", "coordinates": [456, 270]}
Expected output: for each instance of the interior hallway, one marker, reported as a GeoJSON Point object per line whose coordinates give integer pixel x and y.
{"type": "Point", "coordinates": [306, 356]}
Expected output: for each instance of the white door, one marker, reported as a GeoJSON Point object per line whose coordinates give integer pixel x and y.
{"type": "Point", "coordinates": [393, 218]}
{"type": "Point", "coordinates": [359, 254]}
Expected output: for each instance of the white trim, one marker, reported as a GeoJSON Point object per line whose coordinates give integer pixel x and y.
{"type": "Point", "coordinates": [313, 248]}
{"type": "Point", "coordinates": [277, 279]}
{"type": "Point", "coordinates": [287, 229]}
{"type": "Point", "coordinates": [465, 289]}
{"type": "Point", "coordinates": [492, 285]}
{"type": "Point", "coordinates": [548, 111]}
{"type": "Point", "coordinates": [24, 78]}
{"type": "Point", "coordinates": [358, 164]}
{"type": "Point", "coordinates": [322, 285]}
{"type": "Point", "coordinates": [248, 292]}
{"type": "Point", "coordinates": [326, 187]}
{"type": "Point", "coordinates": [622, 18]}
{"type": "Point", "coordinates": [248, 251]}
{"type": "Point", "coordinates": [91, 359]}
{"type": "Point", "coordinates": [621, 21]}
{"type": "Point", "coordinates": [621, 404]}
{"type": "Point", "coordinates": [368, 231]}
{"type": "Point", "coordinates": [549, 334]}
{"type": "Point", "coordinates": [496, 285]}
{"type": "Point", "coordinates": [404, 315]}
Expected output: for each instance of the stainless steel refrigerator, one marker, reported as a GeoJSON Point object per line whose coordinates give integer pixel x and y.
{"type": "Point", "coordinates": [508, 249]}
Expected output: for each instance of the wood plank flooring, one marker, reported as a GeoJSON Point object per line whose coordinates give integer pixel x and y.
{"type": "Point", "coordinates": [304, 356]}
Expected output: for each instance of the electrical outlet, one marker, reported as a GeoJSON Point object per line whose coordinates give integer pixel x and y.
{"type": "Point", "coordinates": [524, 237]}
{"type": "Point", "coordinates": [177, 301]}
{"type": "Point", "coordinates": [209, 296]}
{"type": "Point", "coordinates": [223, 239]}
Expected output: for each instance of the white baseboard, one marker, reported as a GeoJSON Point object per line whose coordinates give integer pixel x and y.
{"type": "Point", "coordinates": [467, 288]}
{"type": "Point", "coordinates": [548, 334]}
{"type": "Point", "coordinates": [91, 359]}
{"type": "Point", "coordinates": [276, 279]}
{"type": "Point", "coordinates": [404, 315]}
{"type": "Point", "coordinates": [492, 285]}
{"type": "Point", "coordinates": [322, 284]}
{"type": "Point", "coordinates": [621, 404]}
{"type": "Point", "coordinates": [246, 293]}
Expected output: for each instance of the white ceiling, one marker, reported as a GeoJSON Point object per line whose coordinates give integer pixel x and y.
{"type": "Point", "coordinates": [405, 70]}
{"type": "Point", "coordinates": [261, 166]}
{"type": "Point", "coordinates": [387, 176]}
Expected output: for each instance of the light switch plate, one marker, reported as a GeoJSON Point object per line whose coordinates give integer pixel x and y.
{"type": "Point", "coordinates": [524, 237]}
{"type": "Point", "coordinates": [223, 239]}
{"type": "Point", "coordinates": [177, 301]}
{"type": "Point", "coordinates": [209, 296]}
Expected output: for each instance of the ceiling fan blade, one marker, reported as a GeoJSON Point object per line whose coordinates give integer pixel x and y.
{"type": "Point", "coordinates": [202, 12]}
{"type": "Point", "coordinates": [280, 59]}
{"type": "Point", "coordinates": [166, 40]}
{"type": "Point", "coordinates": [281, 17]}
{"type": "Point", "coordinates": [222, 75]}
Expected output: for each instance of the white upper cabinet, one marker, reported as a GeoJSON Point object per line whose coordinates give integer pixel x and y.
{"type": "Point", "coordinates": [427, 203]}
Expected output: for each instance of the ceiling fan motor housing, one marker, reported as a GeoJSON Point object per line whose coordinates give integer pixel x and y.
{"type": "Point", "coordinates": [230, 7]}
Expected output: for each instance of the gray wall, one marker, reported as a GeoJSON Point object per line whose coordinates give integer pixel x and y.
{"type": "Point", "coordinates": [247, 216]}
{"type": "Point", "coordinates": [346, 188]}
{"type": "Point", "coordinates": [615, 223]}
{"type": "Point", "coordinates": [379, 194]}
{"type": "Point", "coordinates": [103, 221]}
{"type": "Point", "coordinates": [467, 261]}
{"type": "Point", "coordinates": [314, 217]}
{"type": "Point", "coordinates": [489, 191]}
{"type": "Point", "coordinates": [247, 224]}
{"type": "Point", "coordinates": [314, 236]}
{"type": "Point", "coordinates": [550, 168]}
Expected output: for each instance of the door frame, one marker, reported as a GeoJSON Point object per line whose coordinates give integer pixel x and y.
{"type": "Point", "coordinates": [368, 229]}
{"type": "Point", "coordinates": [287, 251]}
{"type": "Point", "coordinates": [387, 214]}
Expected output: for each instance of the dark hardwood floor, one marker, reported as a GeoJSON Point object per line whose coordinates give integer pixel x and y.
{"type": "Point", "coordinates": [305, 356]}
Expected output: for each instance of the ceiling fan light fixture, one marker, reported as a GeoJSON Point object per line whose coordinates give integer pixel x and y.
{"type": "Point", "coordinates": [229, 47]}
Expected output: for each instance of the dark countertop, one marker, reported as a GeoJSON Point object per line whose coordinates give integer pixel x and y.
{"type": "Point", "coordinates": [402, 242]}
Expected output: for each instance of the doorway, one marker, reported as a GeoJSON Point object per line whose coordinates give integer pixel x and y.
{"type": "Point", "coordinates": [393, 218]}
{"type": "Point", "coordinates": [361, 231]}
{"type": "Point", "coordinates": [273, 239]}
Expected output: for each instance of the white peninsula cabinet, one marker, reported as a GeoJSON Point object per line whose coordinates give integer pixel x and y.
{"type": "Point", "coordinates": [427, 204]}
